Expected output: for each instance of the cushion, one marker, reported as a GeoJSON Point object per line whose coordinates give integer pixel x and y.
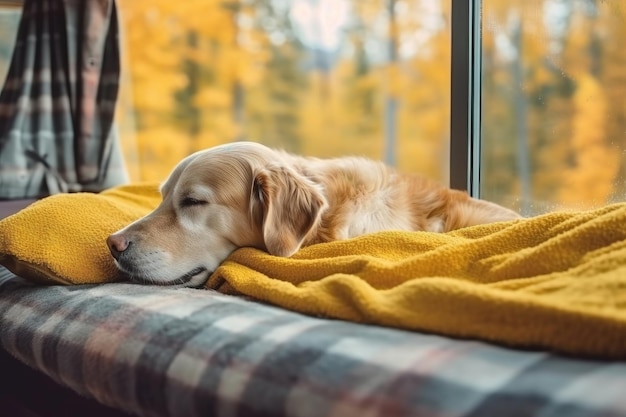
{"type": "Point", "coordinates": [61, 239]}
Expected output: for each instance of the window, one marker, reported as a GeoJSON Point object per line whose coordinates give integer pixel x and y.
{"type": "Point", "coordinates": [323, 77]}
{"type": "Point", "coordinates": [537, 116]}
{"type": "Point", "coordinates": [553, 103]}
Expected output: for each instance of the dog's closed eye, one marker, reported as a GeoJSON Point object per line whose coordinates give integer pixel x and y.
{"type": "Point", "coordinates": [191, 201]}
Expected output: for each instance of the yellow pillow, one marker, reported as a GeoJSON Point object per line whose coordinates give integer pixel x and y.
{"type": "Point", "coordinates": [61, 239]}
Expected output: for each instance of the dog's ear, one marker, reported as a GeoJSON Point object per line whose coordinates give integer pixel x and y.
{"type": "Point", "coordinates": [291, 206]}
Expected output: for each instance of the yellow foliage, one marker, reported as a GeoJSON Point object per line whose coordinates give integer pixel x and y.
{"type": "Point", "coordinates": [213, 97]}
{"type": "Point", "coordinates": [160, 149]}
{"type": "Point", "coordinates": [394, 80]}
{"type": "Point", "coordinates": [590, 182]}
{"type": "Point", "coordinates": [339, 113]}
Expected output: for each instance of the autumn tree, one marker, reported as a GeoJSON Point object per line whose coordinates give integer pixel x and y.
{"type": "Point", "coordinates": [206, 72]}
{"type": "Point", "coordinates": [273, 111]}
{"type": "Point", "coordinates": [183, 62]}
{"type": "Point", "coordinates": [589, 181]}
{"type": "Point", "coordinates": [423, 88]}
{"type": "Point", "coordinates": [611, 25]}
{"type": "Point", "coordinates": [553, 92]}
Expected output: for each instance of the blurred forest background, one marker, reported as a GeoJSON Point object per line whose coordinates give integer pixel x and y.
{"type": "Point", "coordinates": [372, 78]}
{"type": "Point", "coordinates": [554, 103]}
{"type": "Point", "coordinates": [317, 77]}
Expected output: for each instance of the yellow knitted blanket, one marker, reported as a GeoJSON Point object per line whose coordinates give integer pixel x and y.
{"type": "Point", "coordinates": [557, 281]}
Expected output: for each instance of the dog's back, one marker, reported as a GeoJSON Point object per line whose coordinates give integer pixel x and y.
{"type": "Point", "coordinates": [366, 196]}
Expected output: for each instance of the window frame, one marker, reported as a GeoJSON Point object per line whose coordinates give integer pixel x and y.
{"type": "Point", "coordinates": [465, 96]}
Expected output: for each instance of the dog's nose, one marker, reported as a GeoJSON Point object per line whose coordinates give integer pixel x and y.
{"type": "Point", "coordinates": [117, 244]}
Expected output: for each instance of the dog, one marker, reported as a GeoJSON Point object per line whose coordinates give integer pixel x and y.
{"type": "Point", "coordinates": [245, 194]}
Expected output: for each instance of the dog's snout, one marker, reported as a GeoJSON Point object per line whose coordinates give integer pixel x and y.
{"type": "Point", "coordinates": [117, 244]}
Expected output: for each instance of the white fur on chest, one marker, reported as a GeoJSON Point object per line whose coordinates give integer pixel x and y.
{"type": "Point", "coordinates": [373, 213]}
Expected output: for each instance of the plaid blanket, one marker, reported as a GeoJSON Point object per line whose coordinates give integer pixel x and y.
{"type": "Point", "coordinates": [185, 352]}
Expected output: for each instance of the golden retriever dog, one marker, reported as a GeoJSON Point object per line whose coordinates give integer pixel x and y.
{"type": "Point", "coordinates": [246, 194]}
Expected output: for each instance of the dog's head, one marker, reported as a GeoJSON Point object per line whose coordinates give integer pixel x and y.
{"type": "Point", "coordinates": [215, 201]}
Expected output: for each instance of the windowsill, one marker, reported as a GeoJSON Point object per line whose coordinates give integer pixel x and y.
{"type": "Point", "coordinates": [9, 207]}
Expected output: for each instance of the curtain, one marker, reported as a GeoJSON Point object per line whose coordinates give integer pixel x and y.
{"type": "Point", "coordinates": [57, 104]}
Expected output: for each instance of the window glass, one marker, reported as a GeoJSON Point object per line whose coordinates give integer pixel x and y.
{"type": "Point", "coordinates": [317, 77]}
{"type": "Point", "coordinates": [553, 103]}
{"type": "Point", "coordinates": [9, 21]}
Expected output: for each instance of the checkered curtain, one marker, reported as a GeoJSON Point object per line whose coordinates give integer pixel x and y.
{"type": "Point", "coordinates": [58, 101]}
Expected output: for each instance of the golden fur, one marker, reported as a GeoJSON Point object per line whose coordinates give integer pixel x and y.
{"type": "Point", "coordinates": [246, 194]}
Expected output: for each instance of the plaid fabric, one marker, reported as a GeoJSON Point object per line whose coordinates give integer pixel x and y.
{"type": "Point", "coordinates": [185, 352]}
{"type": "Point", "coordinates": [58, 101]}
